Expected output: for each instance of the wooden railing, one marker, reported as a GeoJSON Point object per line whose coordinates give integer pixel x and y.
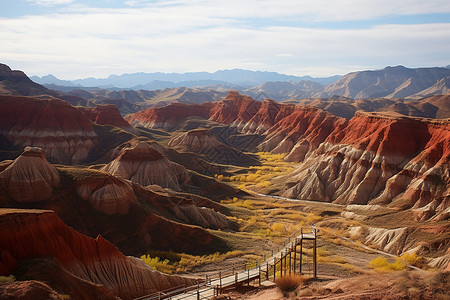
{"type": "Point", "coordinates": [275, 263]}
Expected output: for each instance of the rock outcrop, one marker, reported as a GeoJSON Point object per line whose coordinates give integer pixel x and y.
{"type": "Point", "coordinates": [14, 82]}
{"type": "Point", "coordinates": [147, 166]}
{"type": "Point", "coordinates": [30, 177]}
{"type": "Point", "coordinates": [169, 116]}
{"type": "Point", "coordinates": [107, 114]}
{"type": "Point", "coordinates": [65, 133]}
{"type": "Point", "coordinates": [109, 195]}
{"type": "Point", "coordinates": [94, 202]}
{"type": "Point", "coordinates": [27, 234]}
{"type": "Point", "coordinates": [201, 141]}
{"type": "Point", "coordinates": [375, 159]}
{"type": "Point", "coordinates": [371, 158]}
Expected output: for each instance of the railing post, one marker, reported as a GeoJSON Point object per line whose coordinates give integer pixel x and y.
{"type": "Point", "coordinates": [274, 269]}
{"type": "Point", "coordinates": [295, 254]}
{"type": "Point", "coordinates": [236, 278]}
{"type": "Point", "coordinates": [198, 292]}
{"type": "Point", "coordinates": [259, 274]}
{"type": "Point", "coordinates": [267, 269]}
{"type": "Point", "coordinates": [301, 255]}
{"type": "Point", "coordinates": [315, 258]}
{"type": "Point", "coordinates": [220, 280]}
{"type": "Point", "coordinates": [290, 261]}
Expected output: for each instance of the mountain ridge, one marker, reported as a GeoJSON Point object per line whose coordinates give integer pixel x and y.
{"type": "Point", "coordinates": [235, 76]}
{"type": "Point", "coordinates": [390, 82]}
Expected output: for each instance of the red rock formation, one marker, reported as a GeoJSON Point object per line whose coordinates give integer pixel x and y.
{"type": "Point", "coordinates": [235, 109]}
{"type": "Point", "coordinates": [169, 116]}
{"type": "Point", "coordinates": [65, 134]}
{"type": "Point", "coordinates": [203, 142]}
{"type": "Point", "coordinates": [30, 177]}
{"type": "Point", "coordinates": [146, 166]}
{"type": "Point", "coordinates": [36, 233]}
{"type": "Point", "coordinates": [375, 158]}
{"type": "Point", "coordinates": [107, 114]}
{"type": "Point", "coordinates": [379, 159]}
{"type": "Point", "coordinates": [109, 195]}
{"type": "Point", "coordinates": [95, 202]}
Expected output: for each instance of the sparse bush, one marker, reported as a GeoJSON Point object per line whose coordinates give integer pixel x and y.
{"type": "Point", "coordinates": [9, 278]}
{"type": "Point", "coordinates": [278, 228]}
{"type": "Point", "coordinates": [381, 264]}
{"type": "Point", "coordinates": [248, 204]}
{"type": "Point", "coordinates": [411, 258]}
{"type": "Point", "coordinates": [290, 283]}
{"type": "Point", "coordinates": [157, 264]}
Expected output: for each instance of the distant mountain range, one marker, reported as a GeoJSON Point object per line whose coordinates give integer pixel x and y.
{"type": "Point", "coordinates": [235, 78]}
{"type": "Point", "coordinates": [393, 89]}
{"type": "Point", "coordinates": [390, 82]}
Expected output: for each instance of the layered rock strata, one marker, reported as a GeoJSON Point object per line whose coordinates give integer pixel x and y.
{"type": "Point", "coordinates": [29, 234]}
{"type": "Point", "coordinates": [147, 166]}
{"type": "Point", "coordinates": [65, 133]}
{"type": "Point", "coordinates": [371, 158]}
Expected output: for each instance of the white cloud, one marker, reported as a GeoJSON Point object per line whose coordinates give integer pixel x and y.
{"type": "Point", "coordinates": [197, 35]}
{"type": "Point", "coordinates": [50, 2]}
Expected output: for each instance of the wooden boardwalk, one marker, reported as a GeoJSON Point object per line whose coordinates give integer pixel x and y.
{"type": "Point", "coordinates": [280, 262]}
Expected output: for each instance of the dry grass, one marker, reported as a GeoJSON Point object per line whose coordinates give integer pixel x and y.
{"type": "Point", "coordinates": [380, 264]}
{"type": "Point", "coordinates": [183, 262]}
{"type": "Point", "coordinates": [290, 283]}
{"type": "Point", "coordinates": [9, 278]}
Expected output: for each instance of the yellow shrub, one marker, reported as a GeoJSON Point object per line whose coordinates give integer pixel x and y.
{"type": "Point", "coordinates": [9, 278]}
{"type": "Point", "coordinates": [278, 228]}
{"type": "Point", "coordinates": [411, 258]}
{"type": "Point", "coordinates": [381, 264]}
{"type": "Point", "coordinates": [156, 264]}
{"type": "Point", "coordinates": [263, 184]}
{"type": "Point", "coordinates": [248, 204]}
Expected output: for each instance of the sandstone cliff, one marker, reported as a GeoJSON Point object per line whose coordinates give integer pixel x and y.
{"type": "Point", "coordinates": [169, 116]}
{"type": "Point", "coordinates": [107, 114]}
{"type": "Point", "coordinates": [29, 234]}
{"type": "Point", "coordinates": [371, 158]}
{"type": "Point", "coordinates": [146, 166]}
{"type": "Point", "coordinates": [203, 142]}
{"type": "Point", "coordinates": [30, 177]}
{"type": "Point", "coordinates": [94, 202]}
{"type": "Point", "coordinates": [65, 134]}
{"type": "Point", "coordinates": [384, 159]}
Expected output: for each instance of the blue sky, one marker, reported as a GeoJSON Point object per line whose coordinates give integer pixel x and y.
{"type": "Point", "coordinates": [81, 38]}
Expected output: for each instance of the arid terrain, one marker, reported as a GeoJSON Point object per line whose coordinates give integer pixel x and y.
{"type": "Point", "coordinates": [105, 202]}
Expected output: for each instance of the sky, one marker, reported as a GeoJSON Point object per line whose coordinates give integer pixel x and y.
{"type": "Point", "coordinates": [84, 38]}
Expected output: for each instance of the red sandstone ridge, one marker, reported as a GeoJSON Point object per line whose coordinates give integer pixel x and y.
{"type": "Point", "coordinates": [26, 234]}
{"type": "Point", "coordinates": [65, 134]}
{"type": "Point", "coordinates": [30, 177]}
{"type": "Point", "coordinates": [203, 142]}
{"type": "Point", "coordinates": [81, 197]}
{"type": "Point", "coordinates": [146, 166]}
{"type": "Point", "coordinates": [169, 116]}
{"type": "Point", "coordinates": [371, 158]}
{"type": "Point", "coordinates": [235, 109]}
{"type": "Point", "coordinates": [107, 114]}
{"type": "Point", "coordinates": [379, 159]}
